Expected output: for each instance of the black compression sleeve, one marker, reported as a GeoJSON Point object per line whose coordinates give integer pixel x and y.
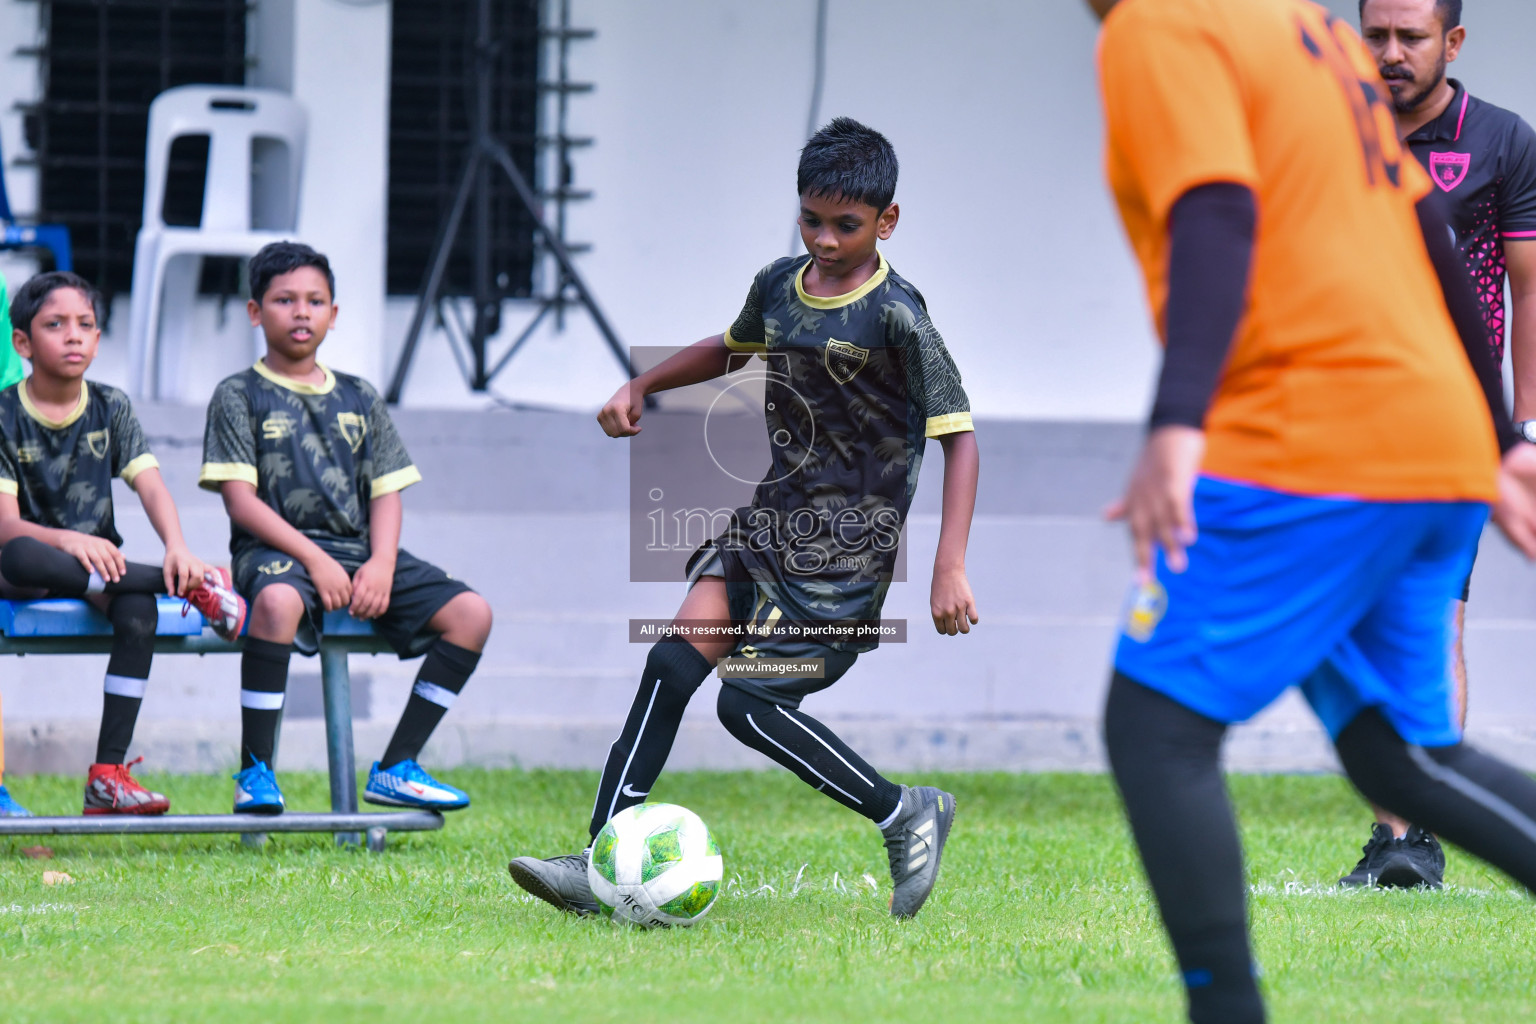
{"type": "Point", "coordinates": [1210, 249]}
{"type": "Point", "coordinates": [1468, 318]}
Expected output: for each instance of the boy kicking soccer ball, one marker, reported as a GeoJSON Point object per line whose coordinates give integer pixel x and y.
{"type": "Point", "coordinates": [866, 379]}
{"type": "Point", "coordinates": [311, 469]}
{"type": "Point", "coordinates": [62, 441]}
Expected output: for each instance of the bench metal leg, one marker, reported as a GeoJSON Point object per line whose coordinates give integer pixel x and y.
{"type": "Point", "coordinates": [336, 687]}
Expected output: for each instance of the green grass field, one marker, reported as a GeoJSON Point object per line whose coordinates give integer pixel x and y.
{"type": "Point", "coordinates": [1040, 915]}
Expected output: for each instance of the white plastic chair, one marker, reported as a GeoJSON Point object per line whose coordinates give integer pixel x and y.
{"type": "Point", "coordinates": [241, 124]}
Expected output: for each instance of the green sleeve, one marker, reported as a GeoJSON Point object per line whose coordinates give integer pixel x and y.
{"type": "Point", "coordinates": [11, 367]}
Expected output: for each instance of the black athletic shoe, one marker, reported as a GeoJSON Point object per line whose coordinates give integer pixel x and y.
{"type": "Point", "coordinates": [559, 881]}
{"type": "Point", "coordinates": [914, 842]}
{"type": "Point", "coordinates": [1415, 860]}
{"type": "Point", "coordinates": [1367, 873]}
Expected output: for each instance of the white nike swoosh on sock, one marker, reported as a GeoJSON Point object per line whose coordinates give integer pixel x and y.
{"type": "Point", "coordinates": [627, 791]}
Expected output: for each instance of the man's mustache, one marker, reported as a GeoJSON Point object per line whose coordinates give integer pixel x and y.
{"type": "Point", "coordinates": [1397, 73]}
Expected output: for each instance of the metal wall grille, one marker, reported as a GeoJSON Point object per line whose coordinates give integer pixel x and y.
{"type": "Point", "coordinates": [102, 62]}
{"type": "Point", "coordinates": [432, 55]}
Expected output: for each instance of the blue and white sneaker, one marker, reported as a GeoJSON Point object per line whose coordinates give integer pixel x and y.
{"type": "Point", "coordinates": [9, 808]}
{"type": "Point", "coordinates": [408, 785]}
{"type": "Point", "coordinates": [256, 791]}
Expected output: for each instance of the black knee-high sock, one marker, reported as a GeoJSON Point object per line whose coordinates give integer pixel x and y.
{"type": "Point", "coordinates": [133, 619]}
{"type": "Point", "coordinates": [1475, 801]}
{"type": "Point", "coordinates": [28, 562]}
{"type": "Point", "coordinates": [443, 674]}
{"type": "Point", "coordinates": [1166, 760]}
{"type": "Point", "coordinates": [673, 671]}
{"type": "Point", "coordinates": [263, 681]}
{"type": "Point", "coordinates": [810, 750]}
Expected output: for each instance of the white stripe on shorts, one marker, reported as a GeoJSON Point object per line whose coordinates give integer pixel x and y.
{"type": "Point", "coordinates": [261, 700]}
{"type": "Point", "coordinates": [124, 686]}
{"type": "Point", "coordinates": [439, 695]}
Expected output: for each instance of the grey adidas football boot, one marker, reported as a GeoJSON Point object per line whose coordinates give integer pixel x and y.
{"type": "Point", "coordinates": [559, 881]}
{"type": "Point", "coordinates": [915, 842]}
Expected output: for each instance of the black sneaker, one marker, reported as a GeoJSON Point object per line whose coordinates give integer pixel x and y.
{"type": "Point", "coordinates": [1367, 873]}
{"type": "Point", "coordinates": [914, 842]}
{"type": "Point", "coordinates": [559, 881]}
{"type": "Point", "coordinates": [1415, 860]}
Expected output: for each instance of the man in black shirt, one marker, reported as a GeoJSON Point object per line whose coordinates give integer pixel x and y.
{"type": "Point", "coordinates": [1482, 160]}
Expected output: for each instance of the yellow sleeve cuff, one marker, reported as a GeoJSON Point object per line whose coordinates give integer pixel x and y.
{"type": "Point", "coordinates": [399, 480]}
{"type": "Point", "coordinates": [215, 473]}
{"type": "Point", "coordinates": [9, 487]}
{"type": "Point", "coordinates": [739, 346]}
{"type": "Point", "coordinates": [952, 423]}
{"type": "Point", "coordinates": [137, 466]}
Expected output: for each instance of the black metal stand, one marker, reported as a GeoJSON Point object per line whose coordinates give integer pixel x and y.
{"type": "Point", "coordinates": [486, 153]}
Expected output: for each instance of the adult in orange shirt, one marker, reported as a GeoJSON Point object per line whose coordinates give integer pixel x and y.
{"type": "Point", "coordinates": [1323, 418]}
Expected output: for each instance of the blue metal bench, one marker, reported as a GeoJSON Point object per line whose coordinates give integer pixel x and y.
{"type": "Point", "coordinates": [68, 626]}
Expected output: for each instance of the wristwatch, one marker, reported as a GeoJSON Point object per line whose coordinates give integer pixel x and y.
{"type": "Point", "coordinates": [1527, 430]}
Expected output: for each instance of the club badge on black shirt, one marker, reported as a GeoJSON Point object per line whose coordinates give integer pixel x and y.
{"type": "Point", "coordinates": [1482, 159]}
{"type": "Point", "coordinates": [61, 473]}
{"type": "Point", "coordinates": [856, 384]}
{"type": "Point", "coordinates": [317, 454]}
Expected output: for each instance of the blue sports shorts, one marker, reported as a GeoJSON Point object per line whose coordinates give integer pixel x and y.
{"type": "Point", "coordinates": [1349, 599]}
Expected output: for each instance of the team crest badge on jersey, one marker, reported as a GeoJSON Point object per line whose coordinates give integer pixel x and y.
{"type": "Point", "coordinates": [1449, 169]}
{"type": "Point", "coordinates": [844, 360]}
{"type": "Point", "coordinates": [98, 442]}
{"type": "Point", "coordinates": [353, 427]}
{"type": "Point", "coordinates": [1148, 606]}
{"type": "Point", "coordinates": [274, 568]}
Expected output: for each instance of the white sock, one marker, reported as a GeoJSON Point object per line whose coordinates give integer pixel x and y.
{"type": "Point", "coordinates": [883, 825]}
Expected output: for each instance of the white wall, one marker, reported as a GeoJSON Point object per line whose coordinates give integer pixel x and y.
{"type": "Point", "coordinates": [699, 113]}
{"type": "Point", "coordinates": [1006, 226]}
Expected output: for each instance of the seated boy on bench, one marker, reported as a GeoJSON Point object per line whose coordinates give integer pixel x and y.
{"type": "Point", "coordinates": [62, 441]}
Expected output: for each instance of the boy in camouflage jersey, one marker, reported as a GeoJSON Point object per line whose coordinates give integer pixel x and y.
{"type": "Point", "coordinates": [862, 380]}
{"type": "Point", "coordinates": [63, 440]}
{"type": "Point", "coordinates": [310, 468]}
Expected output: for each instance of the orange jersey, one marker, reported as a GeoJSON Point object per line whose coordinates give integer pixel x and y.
{"type": "Point", "coordinates": [1346, 376]}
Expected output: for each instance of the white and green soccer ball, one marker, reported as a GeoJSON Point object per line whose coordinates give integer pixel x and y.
{"type": "Point", "coordinates": [655, 864]}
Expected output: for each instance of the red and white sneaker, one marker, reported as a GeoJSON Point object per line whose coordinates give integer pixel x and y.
{"type": "Point", "coordinates": [216, 599]}
{"type": "Point", "coordinates": [109, 789]}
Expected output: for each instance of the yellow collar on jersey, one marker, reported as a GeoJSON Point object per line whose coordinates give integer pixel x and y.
{"type": "Point", "coordinates": [837, 301]}
{"type": "Point", "coordinates": [323, 388]}
{"type": "Point", "coordinates": [37, 414]}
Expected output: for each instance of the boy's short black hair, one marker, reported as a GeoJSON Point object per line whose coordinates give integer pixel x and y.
{"type": "Point", "coordinates": [29, 298]}
{"type": "Point", "coordinates": [278, 258]}
{"type": "Point", "coordinates": [846, 160]}
{"type": "Point", "coordinates": [1449, 11]}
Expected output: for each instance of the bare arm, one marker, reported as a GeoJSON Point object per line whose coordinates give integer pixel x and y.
{"type": "Point", "coordinates": [181, 569]}
{"type": "Point", "coordinates": [952, 603]}
{"type": "Point", "coordinates": [373, 583]}
{"type": "Point", "coordinates": [1520, 256]}
{"type": "Point", "coordinates": [97, 554]}
{"type": "Point", "coordinates": [13, 526]}
{"type": "Point", "coordinates": [254, 516]}
{"type": "Point", "coordinates": [701, 361]}
{"type": "Point", "coordinates": [384, 516]}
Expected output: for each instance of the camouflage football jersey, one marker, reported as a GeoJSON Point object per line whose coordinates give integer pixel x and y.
{"type": "Point", "coordinates": [317, 454]}
{"type": "Point", "coordinates": [855, 384]}
{"type": "Point", "coordinates": [61, 473]}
